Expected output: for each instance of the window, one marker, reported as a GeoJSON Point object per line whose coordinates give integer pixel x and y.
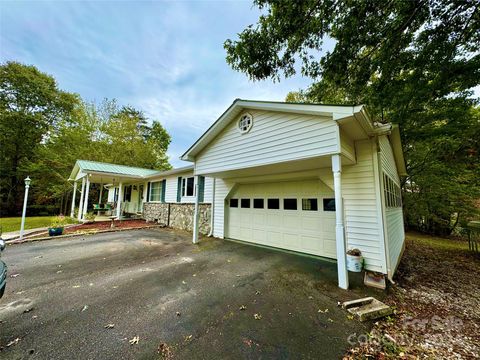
{"type": "Point", "coordinates": [392, 192]}
{"type": "Point", "coordinates": [245, 203]}
{"type": "Point", "coordinates": [234, 203]}
{"type": "Point", "coordinates": [188, 188]}
{"type": "Point", "coordinates": [289, 204]}
{"type": "Point", "coordinates": [155, 191]}
{"type": "Point", "coordinates": [258, 203]}
{"type": "Point", "coordinates": [245, 123]}
{"type": "Point", "coordinates": [310, 204]}
{"type": "Point", "coordinates": [329, 204]}
{"type": "Point", "coordinates": [273, 203]}
{"type": "Point", "coordinates": [127, 195]}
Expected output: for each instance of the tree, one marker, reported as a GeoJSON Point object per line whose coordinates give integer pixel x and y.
{"type": "Point", "coordinates": [412, 62]}
{"type": "Point", "coordinates": [31, 106]}
{"type": "Point", "coordinates": [105, 133]}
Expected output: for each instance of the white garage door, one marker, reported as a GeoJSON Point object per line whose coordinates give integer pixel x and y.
{"type": "Point", "coordinates": [298, 216]}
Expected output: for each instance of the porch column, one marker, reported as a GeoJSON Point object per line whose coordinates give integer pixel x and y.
{"type": "Point", "coordinates": [119, 200]}
{"type": "Point", "coordinates": [101, 193]}
{"type": "Point", "coordinates": [339, 228]}
{"type": "Point", "coordinates": [145, 190]}
{"type": "Point", "coordinates": [87, 190]}
{"type": "Point", "coordinates": [72, 211]}
{"type": "Point", "coordinates": [195, 213]}
{"type": "Point", "coordinates": [80, 205]}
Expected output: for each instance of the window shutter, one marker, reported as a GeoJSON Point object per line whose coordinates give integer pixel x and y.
{"type": "Point", "coordinates": [164, 186]}
{"type": "Point", "coordinates": [148, 191]}
{"type": "Point", "coordinates": [179, 189]}
{"type": "Point", "coordinates": [201, 188]}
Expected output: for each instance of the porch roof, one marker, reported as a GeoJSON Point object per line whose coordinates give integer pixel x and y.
{"type": "Point", "coordinates": [82, 167]}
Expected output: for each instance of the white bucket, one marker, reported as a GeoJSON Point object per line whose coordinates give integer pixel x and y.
{"type": "Point", "coordinates": [354, 263]}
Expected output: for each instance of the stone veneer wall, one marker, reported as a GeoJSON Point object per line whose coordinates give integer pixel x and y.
{"type": "Point", "coordinates": [181, 215]}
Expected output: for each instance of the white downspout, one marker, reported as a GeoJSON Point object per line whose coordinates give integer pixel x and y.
{"type": "Point", "coordinates": [212, 210]}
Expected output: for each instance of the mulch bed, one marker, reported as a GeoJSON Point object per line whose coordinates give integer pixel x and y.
{"type": "Point", "coordinates": [105, 225]}
{"type": "Point", "coordinates": [437, 303]}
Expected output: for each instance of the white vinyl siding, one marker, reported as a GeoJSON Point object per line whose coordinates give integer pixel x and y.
{"type": "Point", "coordinates": [395, 233]}
{"type": "Point", "coordinates": [171, 189]}
{"type": "Point", "coordinates": [222, 189]}
{"type": "Point", "coordinates": [274, 137]}
{"type": "Point", "coordinates": [347, 146]}
{"type": "Point", "coordinates": [362, 216]}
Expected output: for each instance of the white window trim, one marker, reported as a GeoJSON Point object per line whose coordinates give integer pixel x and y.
{"type": "Point", "coordinates": [184, 195]}
{"type": "Point", "coordinates": [150, 192]}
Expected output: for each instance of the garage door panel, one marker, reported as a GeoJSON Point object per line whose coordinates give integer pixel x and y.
{"type": "Point", "coordinates": [309, 231]}
{"type": "Point", "coordinates": [274, 219]}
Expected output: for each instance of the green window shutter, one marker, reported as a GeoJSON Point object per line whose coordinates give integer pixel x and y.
{"type": "Point", "coordinates": [201, 188]}
{"type": "Point", "coordinates": [179, 189]}
{"type": "Point", "coordinates": [148, 191]}
{"type": "Point", "coordinates": [164, 186]}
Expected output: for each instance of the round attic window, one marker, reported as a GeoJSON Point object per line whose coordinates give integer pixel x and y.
{"type": "Point", "coordinates": [245, 123]}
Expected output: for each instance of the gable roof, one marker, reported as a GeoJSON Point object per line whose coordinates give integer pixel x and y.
{"type": "Point", "coordinates": [338, 111]}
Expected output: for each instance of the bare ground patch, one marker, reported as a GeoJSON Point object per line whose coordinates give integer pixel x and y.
{"type": "Point", "coordinates": [437, 303]}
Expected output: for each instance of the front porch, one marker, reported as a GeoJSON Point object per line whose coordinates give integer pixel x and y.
{"type": "Point", "coordinates": [108, 191]}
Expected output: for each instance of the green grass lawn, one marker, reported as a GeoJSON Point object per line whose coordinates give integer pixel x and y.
{"type": "Point", "coordinates": [13, 223]}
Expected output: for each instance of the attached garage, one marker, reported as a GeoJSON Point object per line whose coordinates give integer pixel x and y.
{"type": "Point", "coordinates": [311, 178]}
{"type": "Point", "coordinates": [292, 215]}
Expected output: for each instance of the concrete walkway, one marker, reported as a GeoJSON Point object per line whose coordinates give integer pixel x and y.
{"type": "Point", "coordinates": [16, 234]}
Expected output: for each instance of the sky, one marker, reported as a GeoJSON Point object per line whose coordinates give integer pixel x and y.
{"type": "Point", "coordinates": [164, 58]}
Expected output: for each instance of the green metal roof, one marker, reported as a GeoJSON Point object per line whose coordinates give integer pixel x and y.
{"type": "Point", "coordinates": [101, 167]}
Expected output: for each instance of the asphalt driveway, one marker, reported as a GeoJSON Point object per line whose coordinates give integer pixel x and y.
{"type": "Point", "coordinates": [219, 299]}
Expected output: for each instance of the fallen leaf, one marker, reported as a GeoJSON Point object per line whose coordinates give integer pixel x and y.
{"type": "Point", "coordinates": [323, 311]}
{"type": "Point", "coordinates": [178, 313]}
{"type": "Point", "coordinates": [243, 307]}
{"type": "Point", "coordinates": [183, 282]}
{"type": "Point", "coordinates": [59, 271]}
{"type": "Point", "coordinates": [257, 316]}
{"type": "Point", "coordinates": [109, 326]}
{"type": "Point", "coordinates": [257, 292]}
{"type": "Point", "coordinates": [13, 342]}
{"type": "Point", "coordinates": [27, 310]}
{"type": "Point", "coordinates": [188, 338]}
{"type": "Point", "coordinates": [75, 286]}
{"type": "Point", "coordinates": [164, 350]}
{"type": "Point", "coordinates": [14, 275]}
{"type": "Point", "coordinates": [85, 307]}
{"type": "Point", "coordinates": [194, 275]}
{"type": "Point", "coordinates": [134, 341]}
{"type": "Point", "coordinates": [330, 320]}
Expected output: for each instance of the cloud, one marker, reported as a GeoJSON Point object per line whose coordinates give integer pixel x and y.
{"type": "Point", "coordinates": [165, 58]}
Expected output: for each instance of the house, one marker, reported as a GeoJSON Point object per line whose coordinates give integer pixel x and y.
{"type": "Point", "coordinates": [310, 178]}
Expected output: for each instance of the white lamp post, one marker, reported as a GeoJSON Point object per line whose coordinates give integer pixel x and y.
{"type": "Point", "coordinates": [27, 186]}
